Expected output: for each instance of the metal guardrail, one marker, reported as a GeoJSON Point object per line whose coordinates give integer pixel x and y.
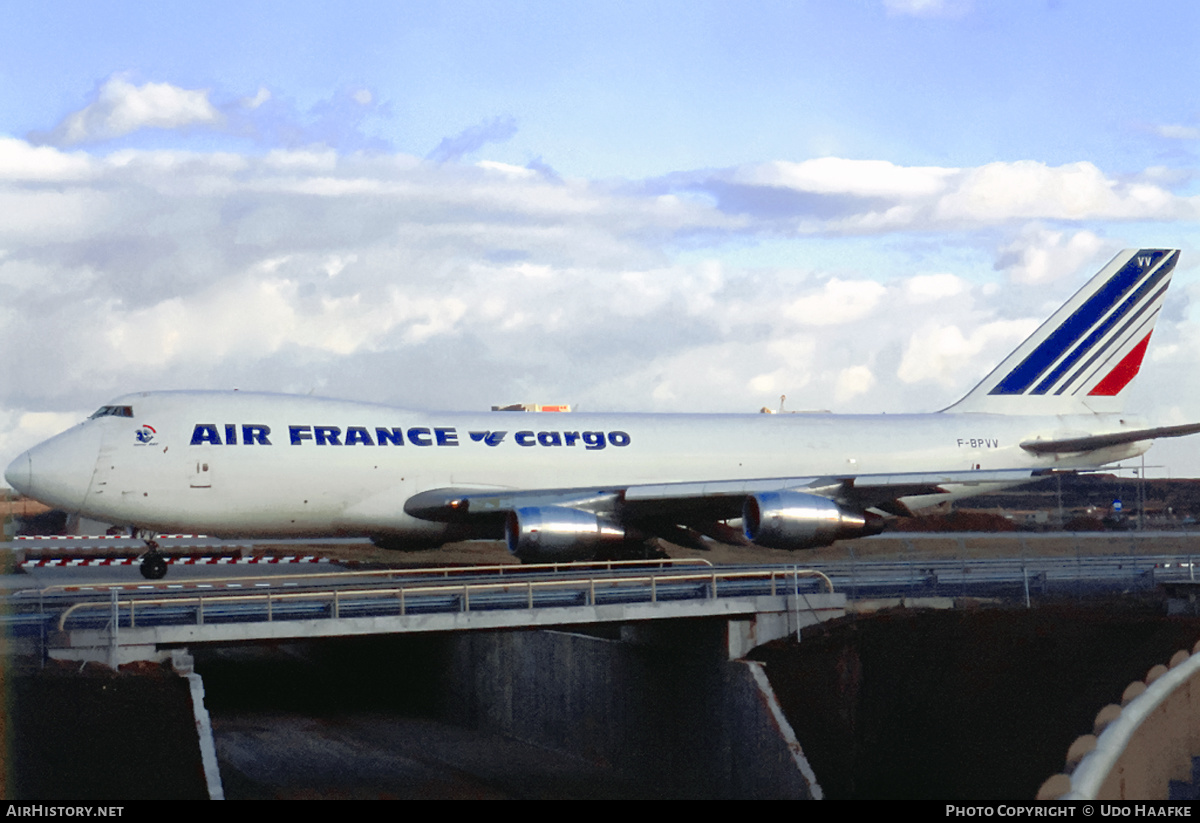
{"type": "Point", "coordinates": [501, 570]}
{"type": "Point", "coordinates": [324, 595]}
{"type": "Point", "coordinates": [427, 598]}
{"type": "Point", "coordinates": [958, 575]}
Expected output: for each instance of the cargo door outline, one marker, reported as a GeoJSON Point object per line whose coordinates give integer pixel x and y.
{"type": "Point", "coordinates": [200, 472]}
{"type": "Point", "coordinates": [102, 473]}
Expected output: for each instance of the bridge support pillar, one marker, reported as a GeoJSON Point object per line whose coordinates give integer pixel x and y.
{"type": "Point", "coordinates": [661, 702]}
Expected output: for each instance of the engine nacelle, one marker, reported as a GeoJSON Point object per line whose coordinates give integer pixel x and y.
{"type": "Point", "coordinates": [557, 533]}
{"type": "Point", "coordinates": [795, 520]}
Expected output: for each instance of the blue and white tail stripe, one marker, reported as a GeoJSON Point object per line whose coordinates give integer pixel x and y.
{"type": "Point", "coordinates": [1090, 349]}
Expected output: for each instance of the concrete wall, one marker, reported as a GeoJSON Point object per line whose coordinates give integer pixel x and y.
{"type": "Point", "coordinates": [662, 703]}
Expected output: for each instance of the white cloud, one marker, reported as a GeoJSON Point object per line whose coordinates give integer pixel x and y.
{"type": "Point", "coordinates": [262, 96]}
{"type": "Point", "coordinates": [52, 215]}
{"type": "Point", "coordinates": [1030, 190]}
{"type": "Point", "coordinates": [507, 169]}
{"type": "Point", "coordinates": [241, 317]}
{"type": "Point", "coordinates": [302, 160]}
{"type": "Point", "coordinates": [925, 288]}
{"type": "Point", "coordinates": [941, 353]}
{"type": "Point", "coordinates": [1176, 132]}
{"type": "Point", "coordinates": [393, 278]}
{"type": "Point", "coordinates": [21, 161]}
{"type": "Point", "coordinates": [852, 382]}
{"type": "Point", "coordinates": [835, 195]}
{"type": "Point", "coordinates": [21, 429]}
{"type": "Point", "coordinates": [839, 301]}
{"type": "Point", "coordinates": [862, 178]}
{"type": "Point", "coordinates": [1040, 255]}
{"type": "Point", "coordinates": [122, 108]}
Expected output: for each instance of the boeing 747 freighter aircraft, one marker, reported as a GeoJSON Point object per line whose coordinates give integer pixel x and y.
{"type": "Point", "coordinates": [572, 486]}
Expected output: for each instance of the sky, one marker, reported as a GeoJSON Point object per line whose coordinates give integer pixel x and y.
{"type": "Point", "coordinates": [658, 206]}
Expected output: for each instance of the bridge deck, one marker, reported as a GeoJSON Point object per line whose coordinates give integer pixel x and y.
{"type": "Point", "coordinates": [131, 621]}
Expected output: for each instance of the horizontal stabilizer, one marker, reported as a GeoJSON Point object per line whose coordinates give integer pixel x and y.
{"type": "Point", "coordinates": [1070, 445]}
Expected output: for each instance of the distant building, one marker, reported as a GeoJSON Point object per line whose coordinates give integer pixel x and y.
{"type": "Point", "coordinates": [534, 407]}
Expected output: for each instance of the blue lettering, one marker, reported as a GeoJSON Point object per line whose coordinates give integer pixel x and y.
{"type": "Point", "coordinates": [205, 433]}
{"type": "Point", "coordinates": [252, 434]}
{"type": "Point", "coordinates": [327, 435]}
{"type": "Point", "coordinates": [395, 436]}
{"type": "Point", "coordinates": [618, 438]}
{"type": "Point", "coordinates": [358, 434]}
{"type": "Point", "coordinates": [259, 434]}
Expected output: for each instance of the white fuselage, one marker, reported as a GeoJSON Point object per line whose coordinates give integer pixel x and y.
{"type": "Point", "coordinates": [233, 463]}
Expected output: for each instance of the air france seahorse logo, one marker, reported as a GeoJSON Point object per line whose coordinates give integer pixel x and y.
{"type": "Point", "coordinates": [145, 434]}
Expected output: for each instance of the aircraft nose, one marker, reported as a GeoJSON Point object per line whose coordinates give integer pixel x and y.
{"type": "Point", "coordinates": [57, 472]}
{"type": "Point", "coordinates": [17, 474]}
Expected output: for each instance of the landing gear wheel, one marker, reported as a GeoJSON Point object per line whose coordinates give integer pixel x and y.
{"type": "Point", "coordinates": [154, 566]}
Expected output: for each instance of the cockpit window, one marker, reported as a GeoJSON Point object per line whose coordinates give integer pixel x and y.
{"type": "Point", "coordinates": [113, 411]}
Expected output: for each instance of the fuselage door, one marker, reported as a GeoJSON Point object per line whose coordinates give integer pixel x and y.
{"type": "Point", "coordinates": [200, 473]}
{"type": "Point", "coordinates": [102, 473]}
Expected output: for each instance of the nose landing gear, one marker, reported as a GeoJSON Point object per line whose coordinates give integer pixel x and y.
{"type": "Point", "coordinates": [154, 565]}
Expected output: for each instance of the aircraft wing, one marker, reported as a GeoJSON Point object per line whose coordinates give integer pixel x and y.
{"type": "Point", "coordinates": [862, 488]}
{"type": "Point", "coordinates": [712, 500]}
{"type": "Point", "coordinates": [1087, 443]}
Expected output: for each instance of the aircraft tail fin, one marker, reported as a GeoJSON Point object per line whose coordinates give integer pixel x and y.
{"type": "Point", "coordinates": [1083, 357]}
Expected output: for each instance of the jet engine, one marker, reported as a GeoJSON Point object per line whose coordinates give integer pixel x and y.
{"type": "Point", "coordinates": [553, 533]}
{"type": "Point", "coordinates": [795, 520]}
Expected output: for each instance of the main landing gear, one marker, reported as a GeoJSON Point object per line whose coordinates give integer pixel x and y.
{"type": "Point", "coordinates": [154, 565]}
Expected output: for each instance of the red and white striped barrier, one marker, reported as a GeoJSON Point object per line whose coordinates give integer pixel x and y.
{"type": "Point", "coordinates": [107, 537]}
{"type": "Point", "coordinates": [186, 560]}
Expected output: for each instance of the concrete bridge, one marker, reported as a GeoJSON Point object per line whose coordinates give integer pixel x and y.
{"type": "Point", "coordinates": [122, 623]}
{"type": "Point", "coordinates": [520, 653]}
